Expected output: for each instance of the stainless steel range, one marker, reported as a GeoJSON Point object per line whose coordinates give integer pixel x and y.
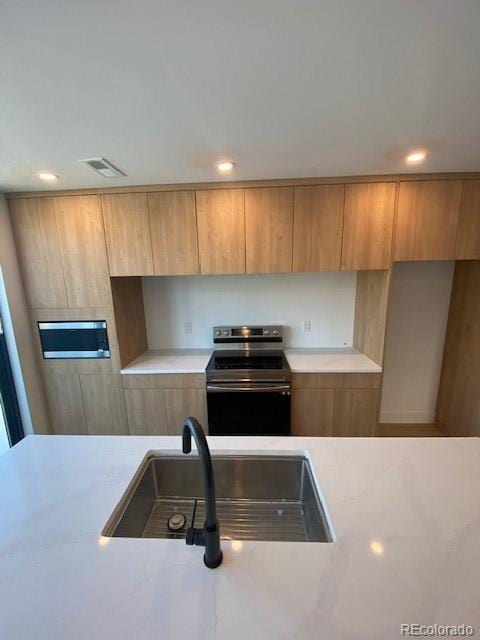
{"type": "Point", "coordinates": [248, 382]}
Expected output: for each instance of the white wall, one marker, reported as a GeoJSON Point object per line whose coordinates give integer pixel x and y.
{"type": "Point", "coordinates": [327, 300]}
{"type": "Point", "coordinates": [18, 332]}
{"type": "Point", "coordinates": [420, 298]}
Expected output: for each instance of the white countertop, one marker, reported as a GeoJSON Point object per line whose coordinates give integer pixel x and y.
{"type": "Point", "coordinates": [170, 361]}
{"type": "Point", "coordinates": [407, 550]}
{"type": "Point", "coordinates": [345, 360]}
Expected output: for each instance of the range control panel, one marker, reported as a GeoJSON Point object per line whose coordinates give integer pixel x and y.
{"type": "Point", "coordinates": [242, 334]}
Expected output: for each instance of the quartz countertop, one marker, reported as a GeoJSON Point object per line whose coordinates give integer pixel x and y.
{"type": "Point", "coordinates": [405, 513]}
{"type": "Point", "coordinates": [170, 361]}
{"type": "Point", "coordinates": [343, 360]}
{"type": "Point", "coordinates": [346, 360]}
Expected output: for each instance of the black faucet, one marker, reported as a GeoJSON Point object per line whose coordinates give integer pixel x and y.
{"type": "Point", "coordinates": [209, 536]}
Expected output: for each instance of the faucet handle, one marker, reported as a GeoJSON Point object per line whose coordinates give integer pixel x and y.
{"type": "Point", "coordinates": [195, 537]}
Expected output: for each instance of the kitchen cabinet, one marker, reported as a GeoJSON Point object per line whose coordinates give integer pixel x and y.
{"type": "Point", "coordinates": [427, 220]}
{"type": "Point", "coordinates": [368, 225]}
{"type": "Point", "coordinates": [317, 227]}
{"type": "Point", "coordinates": [335, 404]}
{"type": "Point", "coordinates": [167, 401]}
{"type": "Point", "coordinates": [269, 229]}
{"type": "Point", "coordinates": [146, 412]}
{"type": "Point", "coordinates": [221, 230]}
{"type": "Point", "coordinates": [312, 412]}
{"type": "Point", "coordinates": [356, 412]}
{"type": "Point", "coordinates": [36, 237]}
{"type": "Point", "coordinates": [468, 236]}
{"type": "Point", "coordinates": [82, 250]}
{"type": "Point", "coordinates": [104, 403]}
{"type": "Point", "coordinates": [127, 233]}
{"type": "Point", "coordinates": [65, 403]}
{"type": "Point", "coordinates": [173, 226]}
{"type": "Point", "coordinates": [182, 403]}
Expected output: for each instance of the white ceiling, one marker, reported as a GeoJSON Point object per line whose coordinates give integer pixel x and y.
{"type": "Point", "coordinates": [285, 88]}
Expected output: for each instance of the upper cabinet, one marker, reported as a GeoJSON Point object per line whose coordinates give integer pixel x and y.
{"type": "Point", "coordinates": [427, 220]}
{"type": "Point", "coordinates": [127, 231]}
{"type": "Point", "coordinates": [36, 237]}
{"type": "Point", "coordinates": [468, 236]}
{"type": "Point", "coordinates": [221, 230]}
{"type": "Point", "coordinates": [269, 229]}
{"type": "Point", "coordinates": [173, 226]}
{"type": "Point", "coordinates": [317, 227]}
{"type": "Point", "coordinates": [368, 225]}
{"type": "Point", "coordinates": [82, 250]}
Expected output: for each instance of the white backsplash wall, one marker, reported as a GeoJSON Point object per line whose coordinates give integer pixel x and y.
{"type": "Point", "coordinates": [326, 300]}
{"type": "Point", "coordinates": [419, 302]}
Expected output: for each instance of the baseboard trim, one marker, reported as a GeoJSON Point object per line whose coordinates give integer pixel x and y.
{"type": "Point", "coordinates": [407, 417]}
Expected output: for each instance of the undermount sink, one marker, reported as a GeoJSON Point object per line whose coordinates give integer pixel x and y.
{"type": "Point", "coordinates": [259, 497]}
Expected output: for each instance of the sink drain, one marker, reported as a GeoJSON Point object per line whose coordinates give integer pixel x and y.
{"type": "Point", "coordinates": [176, 522]}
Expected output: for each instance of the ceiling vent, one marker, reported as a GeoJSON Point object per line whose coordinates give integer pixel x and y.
{"type": "Point", "coordinates": [103, 167]}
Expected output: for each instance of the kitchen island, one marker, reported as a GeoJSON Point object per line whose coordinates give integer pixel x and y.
{"type": "Point", "coordinates": [406, 549]}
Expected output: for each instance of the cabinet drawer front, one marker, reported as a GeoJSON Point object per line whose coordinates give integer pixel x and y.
{"type": "Point", "coordinates": [164, 381]}
{"type": "Point", "coordinates": [336, 380]}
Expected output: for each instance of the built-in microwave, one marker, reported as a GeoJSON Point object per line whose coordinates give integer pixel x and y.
{"type": "Point", "coordinates": [72, 339]}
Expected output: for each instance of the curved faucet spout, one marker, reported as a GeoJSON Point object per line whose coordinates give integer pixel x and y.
{"type": "Point", "coordinates": [209, 536]}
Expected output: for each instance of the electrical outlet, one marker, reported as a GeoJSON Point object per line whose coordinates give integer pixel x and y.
{"type": "Point", "coordinates": [306, 326]}
{"type": "Point", "coordinates": [188, 327]}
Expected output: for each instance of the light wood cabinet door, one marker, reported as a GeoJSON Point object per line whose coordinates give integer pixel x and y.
{"type": "Point", "coordinates": [182, 403]}
{"type": "Point", "coordinates": [36, 237]}
{"type": "Point", "coordinates": [104, 402]}
{"type": "Point", "coordinates": [468, 236]}
{"type": "Point", "coordinates": [65, 403]}
{"type": "Point", "coordinates": [221, 230]}
{"type": "Point", "coordinates": [269, 229]}
{"type": "Point", "coordinates": [427, 220]}
{"type": "Point", "coordinates": [312, 412]}
{"type": "Point", "coordinates": [82, 250]}
{"type": "Point", "coordinates": [127, 232]}
{"type": "Point", "coordinates": [317, 227]}
{"type": "Point", "coordinates": [146, 412]}
{"type": "Point", "coordinates": [173, 225]}
{"type": "Point", "coordinates": [356, 412]}
{"type": "Point", "coordinates": [368, 226]}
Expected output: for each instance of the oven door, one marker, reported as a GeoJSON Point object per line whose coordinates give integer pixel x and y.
{"type": "Point", "coordinates": [237, 409]}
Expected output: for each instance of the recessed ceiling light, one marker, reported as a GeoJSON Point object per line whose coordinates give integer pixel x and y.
{"type": "Point", "coordinates": [417, 156]}
{"type": "Point", "coordinates": [225, 166]}
{"type": "Point", "coordinates": [47, 176]}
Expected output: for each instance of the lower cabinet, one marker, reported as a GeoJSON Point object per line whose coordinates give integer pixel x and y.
{"type": "Point", "coordinates": [157, 404]}
{"type": "Point", "coordinates": [335, 404]}
{"type": "Point", "coordinates": [65, 403]}
{"type": "Point", "coordinates": [87, 403]}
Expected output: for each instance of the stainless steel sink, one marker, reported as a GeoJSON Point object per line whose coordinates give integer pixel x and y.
{"type": "Point", "coordinates": [259, 497]}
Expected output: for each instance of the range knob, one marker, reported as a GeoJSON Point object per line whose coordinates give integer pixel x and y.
{"type": "Point", "coordinates": [275, 332]}
{"type": "Point", "coordinates": [218, 332]}
{"type": "Point", "coordinates": [225, 332]}
{"type": "Point", "coordinates": [266, 332]}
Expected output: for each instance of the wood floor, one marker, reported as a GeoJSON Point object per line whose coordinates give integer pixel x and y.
{"type": "Point", "coordinates": [409, 431]}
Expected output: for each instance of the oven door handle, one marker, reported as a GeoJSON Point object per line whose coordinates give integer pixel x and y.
{"type": "Point", "coordinates": [234, 388]}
